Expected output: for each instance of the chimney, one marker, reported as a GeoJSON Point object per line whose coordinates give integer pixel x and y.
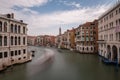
{"type": "Point", "coordinates": [21, 20]}
{"type": "Point", "coordinates": [8, 16]}
{"type": "Point", "coordinates": [12, 15]}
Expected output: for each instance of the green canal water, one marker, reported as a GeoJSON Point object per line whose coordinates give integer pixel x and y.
{"type": "Point", "coordinates": [63, 65]}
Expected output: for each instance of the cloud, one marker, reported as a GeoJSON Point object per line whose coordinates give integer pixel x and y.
{"type": "Point", "coordinates": [67, 17]}
{"type": "Point", "coordinates": [50, 22]}
{"type": "Point", "coordinates": [73, 4]}
{"type": "Point", "coordinates": [22, 3]}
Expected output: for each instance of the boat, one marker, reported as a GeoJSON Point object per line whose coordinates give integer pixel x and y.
{"type": "Point", "coordinates": [108, 61]}
{"type": "Point", "coordinates": [33, 53]}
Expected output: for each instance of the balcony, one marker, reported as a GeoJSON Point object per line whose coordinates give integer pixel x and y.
{"type": "Point", "coordinates": [101, 41]}
{"type": "Point", "coordinates": [78, 40]}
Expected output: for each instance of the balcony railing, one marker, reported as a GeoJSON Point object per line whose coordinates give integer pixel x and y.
{"type": "Point", "coordinates": [80, 40]}
{"type": "Point", "coordinates": [101, 41]}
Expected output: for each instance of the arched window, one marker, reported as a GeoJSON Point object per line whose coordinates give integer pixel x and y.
{"type": "Point", "coordinates": [0, 26]}
{"type": "Point", "coordinates": [19, 29]}
{"type": "Point", "coordinates": [0, 40]}
{"type": "Point", "coordinates": [15, 40]}
{"type": "Point", "coordinates": [5, 40]}
{"type": "Point", "coordinates": [15, 28]}
{"type": "Point", "coordinates": [12, 29]}
{"type": "Point", "coordinates": [19, 41]}
{"type": "Point", "coordinates": [23, 40]}
{"type": "Point", "coordinates": [5, 26]}
{"type": "Point", "coordinates": [11, 40]}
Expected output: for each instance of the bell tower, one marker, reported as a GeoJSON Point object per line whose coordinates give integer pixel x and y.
{"type": "Point", "coordinates": [60, 31]}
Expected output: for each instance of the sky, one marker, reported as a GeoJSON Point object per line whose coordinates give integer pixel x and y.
{"type": "Point", "coordinates": [44, 17]}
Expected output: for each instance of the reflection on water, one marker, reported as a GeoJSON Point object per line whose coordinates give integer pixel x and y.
{"type": "Point", "coordinates": [51, 64]}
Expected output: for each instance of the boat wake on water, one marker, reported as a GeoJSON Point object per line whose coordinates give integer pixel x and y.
{"type": "Point", "coordinates": [42, 62]}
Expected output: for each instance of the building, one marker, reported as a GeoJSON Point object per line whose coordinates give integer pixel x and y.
{"type": "Point", "coordinates": [40, 40]}
{"type": "Point", "coordinates": [13, 41]}
{"type": "Point", "coordinates": [46, 40]}
{"type": "Point", "coordinates": [68, 39]}
{"type": "Point", "coordinates": [86, 37]}
{"type": "Point", "coordinates": [31, 40]}
{"type": "Point", "coordinates": [109, 33]}
{"type": "Point", "coordinates": [58, 39]}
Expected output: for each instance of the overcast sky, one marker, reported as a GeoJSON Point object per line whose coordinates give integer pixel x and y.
{"type": "Point", "coordinates": [46, 16]}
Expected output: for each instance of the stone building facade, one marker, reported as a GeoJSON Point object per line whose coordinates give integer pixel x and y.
{"type": "Point", "coordinates": [46, 40]}
{"type": "Point", "coordinates": [86, 37]}
{"type": "Point", "coordinates": [13, 41]}
{"type": "Point", "coordinates": [109, 33]}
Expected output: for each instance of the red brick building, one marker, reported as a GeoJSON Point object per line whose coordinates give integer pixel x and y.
{"type": "Point", "coordinates": [86, 37]}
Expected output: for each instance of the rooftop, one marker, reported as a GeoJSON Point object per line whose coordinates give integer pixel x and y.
{"type": "Point", "coordinates": [11, 17]}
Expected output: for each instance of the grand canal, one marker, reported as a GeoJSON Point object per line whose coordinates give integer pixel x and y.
{"type": "Point", "coordinates": [63, 65]}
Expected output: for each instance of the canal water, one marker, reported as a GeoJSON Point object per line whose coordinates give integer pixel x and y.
{"type": "Point", "coordinates": [54, 64]}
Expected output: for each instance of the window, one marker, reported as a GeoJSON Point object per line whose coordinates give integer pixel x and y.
{"type": "Point", "coordinates": [0, 40]}
{"type": "Point", "coordinates": [94, 48]}
{"type": "Point", "coordinates": [5, 40]}
{"type": "Point", "coordinates": [91, 27]}
{"type": "Point", "coordinates": [11, 40]}
{"type": "Point", "coordinates": [83, 48]}
{"type": "Point", "coordinates": [24, 51]}
{"type": "Point", "coordinates": [87, 49]}
{"type": "Point", "coordinates": [12, 53]}
{"type": "Point", "coordinates": [119, 21]}
{"type": "Point", "coordinates": [94, 32]}
{"type": "Point", "coordinates": [116, 12]}
{"type": "Point", "coordinates": [23, 30]}
{"type": "Point", "coordinates": [23, 40]}
{"type": "Point", "coordinates": [19, 52]}
{"type": "Point", "coordinates": [91, 48]}
{"type": "Point", "coordinates": [19, 29]}
{"type": "Point", "coordinates": [15, 40]}
{"type": "Point", "coordinates": [1, 55]}
{"type": "Point", "coordinates": [19, 40]}
{"type": "Point", "coordinates": [12, 28]}
{"type": "Point", "coordinates": [87, 38]}
{"type": "Point", "coordinates": [15, 52]}
{"type": "Point", "coordinates": [15, 28]}
{"type": "Point", "coordinates": [0, 26]}
{"type": "Point", "coordinates": [119, 10]}
{"type": "Point", "coordinates": [5, 54]}
{"type": "Point", "coordinates": [5, 26]}
{"type": "Point", "coordinates": [116, 22]}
